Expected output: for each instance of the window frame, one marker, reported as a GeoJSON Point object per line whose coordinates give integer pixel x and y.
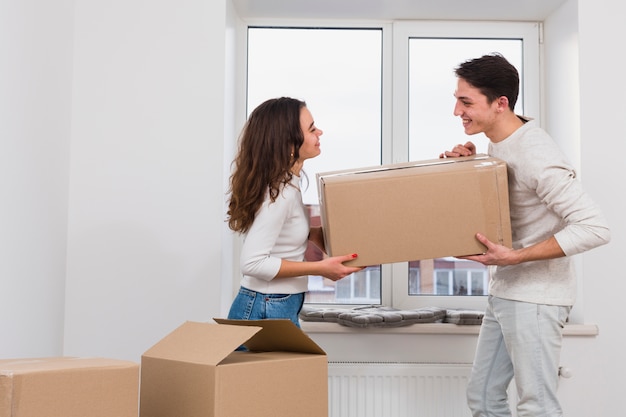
{"type": "Point", "coordinates": [394, 118]}
{"type": "Point", "coordinates": [530, 87]}
{"type": "Point", "coordinates": [386, 108]}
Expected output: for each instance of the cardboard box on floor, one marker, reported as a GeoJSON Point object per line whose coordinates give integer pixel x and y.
{"type": "Point", "coordinates": [68, 387]}
{"type": "Point", "coordinates": [196, 371]}
{"type": "Point", "coordinates": [416, 210]}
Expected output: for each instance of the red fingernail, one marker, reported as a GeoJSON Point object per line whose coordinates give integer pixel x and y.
{"type": "Point", "coordinates": [354, 255]}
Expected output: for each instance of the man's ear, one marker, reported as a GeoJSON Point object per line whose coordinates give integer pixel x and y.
{"type": "Point", "coordinates": [503, 103]}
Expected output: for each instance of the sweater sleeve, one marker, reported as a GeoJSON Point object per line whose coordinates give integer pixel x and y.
{"type": "Point", "coordinates": [583, 224]}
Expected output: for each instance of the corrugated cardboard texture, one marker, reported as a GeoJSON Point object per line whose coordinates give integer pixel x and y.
{"type": "Point", "coordinates": [171, 388]}
{"type": "Point", "coordinates": [413, 211]}
{"type": "Point", "coordinates": [68, 387]}
{"type": "Point", "coordinates": [284, 384]}
{"type": "Point", "coordinates": [271, 383]}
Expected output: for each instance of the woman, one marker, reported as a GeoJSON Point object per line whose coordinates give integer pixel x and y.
{"type": "Point", "coordinates": [266, 207]}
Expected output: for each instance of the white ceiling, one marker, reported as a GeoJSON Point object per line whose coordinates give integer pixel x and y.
{"type": "Point", "coordinates": [514, 10]}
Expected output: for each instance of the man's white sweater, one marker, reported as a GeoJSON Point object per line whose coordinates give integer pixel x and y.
{"type": "Point", "coordinates": [546, 198]}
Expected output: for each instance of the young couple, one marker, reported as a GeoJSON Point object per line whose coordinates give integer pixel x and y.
{"type": "Point", "coordinates": [533, 287]}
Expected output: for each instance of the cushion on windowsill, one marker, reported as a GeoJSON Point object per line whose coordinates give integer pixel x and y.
{"type": "Point", "coordinates": [461, 316]}
{"type": "Point", "coordinates": [373, 316]}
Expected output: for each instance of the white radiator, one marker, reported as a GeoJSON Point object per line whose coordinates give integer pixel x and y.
{"type": "Point", "coordinates": [358, 389]}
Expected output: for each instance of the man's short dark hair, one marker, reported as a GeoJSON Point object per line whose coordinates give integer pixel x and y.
{"type": "Point", "coordinates": [493, 75]}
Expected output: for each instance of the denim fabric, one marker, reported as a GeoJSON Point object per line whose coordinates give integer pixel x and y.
{"type": "Point", "coordinates": [252, 305]}
{"type": "Point", "coordinates": [520, 340]}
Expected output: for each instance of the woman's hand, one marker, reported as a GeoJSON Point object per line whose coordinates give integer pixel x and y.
{"type": "Point", "coordinates": [329, 267]}
{"type": "Point", "coordinates": [334, 269]}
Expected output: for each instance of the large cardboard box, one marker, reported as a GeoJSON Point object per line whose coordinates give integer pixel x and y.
{"type": "Point", "coordinates": [195, 371]}
{"type": "Point", "coordinates": [68, 387]}
{"type": "Point", "coordinates": [416, 210]}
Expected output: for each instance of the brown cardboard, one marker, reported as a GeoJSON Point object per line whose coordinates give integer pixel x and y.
{"type": "Point", "coordinates": [416, 210]}
{"type": "Point", "coordinates": [195, 371]}
{"type": "Point", "coordinates": [68, 387]}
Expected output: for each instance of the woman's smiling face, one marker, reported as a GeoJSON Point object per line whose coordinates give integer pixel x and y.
{"type": "Point", "coordinates": [310, 147]}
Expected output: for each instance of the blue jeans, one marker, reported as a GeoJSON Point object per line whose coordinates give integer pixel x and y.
{"type": "Point", "coordinates": [521, 340]}
{"type": "Point", "coordinates": [252, 305]}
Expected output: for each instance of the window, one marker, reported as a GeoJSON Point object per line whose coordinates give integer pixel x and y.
{"type": "Point", "coordinates": [338, 72]}
{"type": "Point", "coordinates": [430, 69]}
{"type": "Point", "coordinates": [447, 276]}
{"type": "Point", "coordinates": [351, 79]}
{"type": "Point", "coordinates": [425, 55]}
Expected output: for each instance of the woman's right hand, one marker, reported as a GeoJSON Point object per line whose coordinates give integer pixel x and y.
{"type": "Point", "coordinates": [334, 269]}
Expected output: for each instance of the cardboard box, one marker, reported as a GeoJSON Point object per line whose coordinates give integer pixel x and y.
{"type": "Point", "coordinates": [417, 210]}
{"type": "Point", "coordinates": [68, 387]}
{"type": "Point", "coordinates": [195, 371]}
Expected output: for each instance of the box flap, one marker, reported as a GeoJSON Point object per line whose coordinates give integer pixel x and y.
{"type": "Point", "coordinates": [204, 343]}
{"type": "Point", "coordinates": [279, 335]}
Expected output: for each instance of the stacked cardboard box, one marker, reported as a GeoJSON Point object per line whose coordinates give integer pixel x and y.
{"type": "Point", "coordinates": [416, 210]}
{"type": "Point", "coordinates": [68, 387]}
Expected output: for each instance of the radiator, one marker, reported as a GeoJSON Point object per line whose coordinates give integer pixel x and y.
{"type": "Point", "coordinates": [358, 389]}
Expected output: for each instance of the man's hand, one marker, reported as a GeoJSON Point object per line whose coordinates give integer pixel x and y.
{"type": "Point", "coordinates": [495, 255]}
{"type": "Point", "coordinates": [460, 150]}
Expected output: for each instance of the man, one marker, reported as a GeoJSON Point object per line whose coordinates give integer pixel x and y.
{"type": "Point", "coordinates": [533, 287]}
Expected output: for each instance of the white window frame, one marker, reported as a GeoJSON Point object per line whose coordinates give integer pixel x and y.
{"type": "Point", "coordinates": [530, 88]}
{"type": "Point", "coordinates": [395, 132]}
{"type": "Point", "coordinates": [386, 117]}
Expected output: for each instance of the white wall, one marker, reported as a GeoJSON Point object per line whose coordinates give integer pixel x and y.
{"type": "Point", "coordinates": [603, 145]}
{"type": "Point", "coordinates": [561, 111]}
{"type": "Point", "coordinates": [35, 92]}
{"type": "Point", "coordinates": [146, 191]}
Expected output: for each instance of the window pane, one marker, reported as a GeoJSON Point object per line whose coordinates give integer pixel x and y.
{"type": "Point", "coordinates": [432, 125]}
{"type": "Point", "coordinates": [433, 128]}
{"type": "Point", "coordinates": [338, 72]}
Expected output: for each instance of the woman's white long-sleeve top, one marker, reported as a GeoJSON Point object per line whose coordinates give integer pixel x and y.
{"type": "Point", "coordinates": [280, 231]}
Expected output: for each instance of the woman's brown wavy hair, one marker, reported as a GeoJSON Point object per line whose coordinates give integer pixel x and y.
{"type": "Point", "coordinates": [269, 146]}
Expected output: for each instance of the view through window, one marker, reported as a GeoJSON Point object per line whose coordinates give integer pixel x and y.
{"type": "Point", "coordinates": [338, 72]}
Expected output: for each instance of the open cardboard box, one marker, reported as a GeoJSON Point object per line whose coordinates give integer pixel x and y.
{"type": "Point", "coordinates": [416, 210]}
{"type": "Point", "coordinates": [68, 387]}
{"type": "Point", "coordinates": [196, 371]}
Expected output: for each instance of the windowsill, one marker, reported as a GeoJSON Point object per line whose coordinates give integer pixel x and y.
{"type": "Point", "coordinates": [588, 330]}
